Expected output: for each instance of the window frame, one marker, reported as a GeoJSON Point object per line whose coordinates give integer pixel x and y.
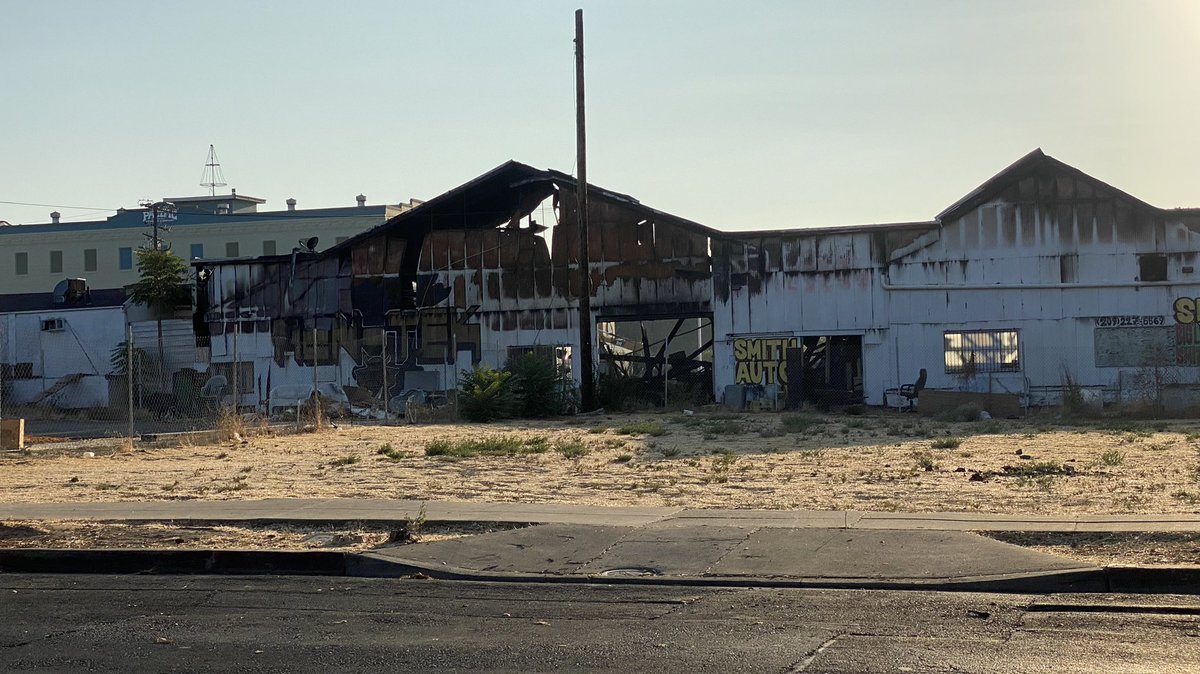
{"type": "Point", "coordinates": [56, 256]}
{"type": "Point", "coordinates": [234, 247]}
{"type": "Point", "coordinates": [21, 263]}
{"type": "Point", "coordinates": [994, 353]}
{"type": "Point", "coordinates": [195, 248]}
{"type": "Point", "coordinates": [91, 261]}
{"type": "Point", "coordinates": [125, 258]}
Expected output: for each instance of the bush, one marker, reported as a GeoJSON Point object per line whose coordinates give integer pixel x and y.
{"type": "Point", "coordinates": [485, 395]}
{"type": "Point", "coordinates": [571, 449]}
{"type": "Point", "coordinates": [546, 388]}
{"type": "Point", "coordinates": [946, 443]}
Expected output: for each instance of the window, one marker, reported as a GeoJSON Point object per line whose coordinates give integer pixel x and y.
{"type": "Point", "coordinates": [1152, 268]}
{"type": "Point", "coordinates": [89, 259]}
{"type": "Point", "coordinates": [125, 256]}
{"type": "Point", "coordinates": [52, 325]}
{"type": "Point", "coordinates": [56, 262]}
{"type": "Point", "coordinates": [245, 376]}
{"type": "Point", "coordinates": [268, 247]}
{"type": "Point", "coordinates": [197, 251]}
{"type": "Point", "coordinates": [982, 351]}
{"type": "Point", "coordinates": [231, 249]}
{"type": "Point", "coordinates": [21, 263]}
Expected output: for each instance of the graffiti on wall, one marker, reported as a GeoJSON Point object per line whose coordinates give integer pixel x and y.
{"type": "Point", "coordinates": [762, 360]}
{"type": "Point", "coordinates": [1187, 310]}
{"type": "Point", "coordinates": [1187, 344]}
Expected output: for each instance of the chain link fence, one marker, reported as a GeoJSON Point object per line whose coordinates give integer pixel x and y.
{"type": "Point", "coordinates": [71, 381]}
{"type": "Point", "coordinates": [1088, 366]}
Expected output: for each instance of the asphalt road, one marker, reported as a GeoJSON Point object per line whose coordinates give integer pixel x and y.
{"type": "Point", "coordinates": [262, 624]}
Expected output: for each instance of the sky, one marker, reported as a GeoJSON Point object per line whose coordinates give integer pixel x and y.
{"type": "Point", "coordinates": [757, 115]}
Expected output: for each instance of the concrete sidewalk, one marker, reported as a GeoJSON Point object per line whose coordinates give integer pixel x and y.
{"type": "Point", "coordinates": [376, 510]}
{"type": "Point", "coordinates": [572, 543]}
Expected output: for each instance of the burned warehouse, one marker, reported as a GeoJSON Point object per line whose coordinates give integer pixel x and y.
{"type": "Point", "coordinates": [1043, 283]}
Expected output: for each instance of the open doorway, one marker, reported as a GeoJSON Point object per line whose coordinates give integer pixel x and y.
{"type": "Point", "coordinates": [825, 370]}
{"type": "Point", "coordinates": [657, 361]}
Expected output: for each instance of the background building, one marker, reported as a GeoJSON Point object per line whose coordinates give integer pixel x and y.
{"type": "Point", "coordinates": [33, 258]}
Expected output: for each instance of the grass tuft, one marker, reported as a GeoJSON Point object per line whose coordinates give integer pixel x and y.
{"type": "Point", "coordinates": [496, 445]}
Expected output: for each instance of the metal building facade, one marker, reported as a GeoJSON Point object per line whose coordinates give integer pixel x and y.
{"type": "Point", "coordinates": [1082, 276]}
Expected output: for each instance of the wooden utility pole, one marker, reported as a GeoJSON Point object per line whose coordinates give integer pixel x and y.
{"type": "Point", "coordinates": [587, 393]}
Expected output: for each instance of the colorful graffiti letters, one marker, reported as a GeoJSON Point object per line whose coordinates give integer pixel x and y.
{"type": "Point", "coordinates": [762, 361]}
{"type": "Point", "coordinates": [1187, 310]}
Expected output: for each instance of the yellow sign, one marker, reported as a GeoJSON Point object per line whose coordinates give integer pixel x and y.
{"type": "Point", "coordinates": [1187, 310]}
{"type": "Point", "coordinates": [762, 361]}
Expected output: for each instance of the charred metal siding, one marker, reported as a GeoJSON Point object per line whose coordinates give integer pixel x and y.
{"type": "Point", "coordinates": [462, 277]}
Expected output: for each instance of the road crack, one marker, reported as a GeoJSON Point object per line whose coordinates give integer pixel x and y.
{"type": "Point", "coordinates": [812, 656]}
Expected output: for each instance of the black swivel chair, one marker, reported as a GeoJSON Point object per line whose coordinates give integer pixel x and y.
{"type": "Point", "coordinates": [913, 390]}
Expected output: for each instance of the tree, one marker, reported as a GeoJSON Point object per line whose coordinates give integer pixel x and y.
{"type": "Point", "coordinates": [162, 286]}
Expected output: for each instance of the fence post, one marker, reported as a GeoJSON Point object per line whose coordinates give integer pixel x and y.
{"type": "Point", "coordinates": [237, 395]}
{"type": "Point", "coordinates": [383, 388]}
{"type": "Point", "coordinates": [316, 397]}
{"type": "Point", "coordinates": [130, 373]}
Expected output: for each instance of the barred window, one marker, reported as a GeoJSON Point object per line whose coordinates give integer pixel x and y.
{"type": "Point", "coordinates": [968, 352]}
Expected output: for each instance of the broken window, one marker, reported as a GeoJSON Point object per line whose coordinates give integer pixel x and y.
{"type": "Point", "coordinates": [1152, 268]}
{"type": "Point", "coordinates": [969, 352]}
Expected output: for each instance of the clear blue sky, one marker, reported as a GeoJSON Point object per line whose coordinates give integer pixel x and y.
{"type": "Point", "coordinates": [759, 115]}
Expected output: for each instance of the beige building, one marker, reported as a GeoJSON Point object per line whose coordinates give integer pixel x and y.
{"type": "Point", "coordinates": [33, 258]}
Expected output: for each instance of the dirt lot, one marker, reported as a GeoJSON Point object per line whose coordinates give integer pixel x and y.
{"type": "Point", "coordinates": [876, 461]}
{"type": "Point", "coordinates": [200, 536]}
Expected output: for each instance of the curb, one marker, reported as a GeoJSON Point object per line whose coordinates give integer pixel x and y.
{"type": "Point", "coordinates": [108, 561]}
{"type": "Point", "coordinates": [1115, 579]}
{"type": "Point", "coordinates": [1081, 580]}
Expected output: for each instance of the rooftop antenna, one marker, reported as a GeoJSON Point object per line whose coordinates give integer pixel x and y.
{"type": "Point", "coordinates": [212, 178]}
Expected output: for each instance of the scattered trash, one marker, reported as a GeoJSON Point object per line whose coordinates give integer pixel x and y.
{"type": "Point", "coordinates": [540, 622]}
{"type": "Point", "coordinates": [89, 455]}
{"type": "Point", "coordinates": [688, 413]}
{"type": "Point", "coordinates": [161, 640]}
{"type": "Point", "coordinates": [984, 416]}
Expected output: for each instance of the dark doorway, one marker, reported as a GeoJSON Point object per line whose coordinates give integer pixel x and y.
{"type": "Point", "coordinates": [651, 361]}
{"type": "Point", "coordinates": [829, 371]}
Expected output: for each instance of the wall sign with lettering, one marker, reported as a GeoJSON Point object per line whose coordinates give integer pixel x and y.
{"type": "Point", "coordinates": [1129, 321]}
{"type": "Point", "coordinates": [762, 360]}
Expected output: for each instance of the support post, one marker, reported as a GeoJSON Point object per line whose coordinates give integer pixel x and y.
{"type": "Point", "coordinates": [237, 394]}
{"type": "Point", "coordinates": [666, 350]}
{"type": "Point", "coordinates": [587, 394]}
{"type": "Point", "coordinates": [130, 373]}
{"type": "Point", "coordinates": [316, 397]}
{"type": "Point", "coordinates": [383, 388]}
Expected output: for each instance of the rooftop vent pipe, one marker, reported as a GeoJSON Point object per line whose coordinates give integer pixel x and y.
{"type": "Point", "coordinates": [362, 200]}
{"type": "Point", "coordinates": [54, 216]}
{"type": "Point", "coordinates": [291, 204]}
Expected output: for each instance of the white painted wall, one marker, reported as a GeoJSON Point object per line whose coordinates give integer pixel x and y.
{"type": "Point", "coordinates": [84, 346]}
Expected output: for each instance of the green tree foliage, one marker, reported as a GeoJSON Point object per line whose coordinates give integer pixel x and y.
{"type": "Point", "coordinates": [546, 387]}
{"type": "Point", "coordinates": [163, 281]}
{"type": "Point", "coordinates": [485, 395]}
{"type": "Point", "coordinates": [162, 285]}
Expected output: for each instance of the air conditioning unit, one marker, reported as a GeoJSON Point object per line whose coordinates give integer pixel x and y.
{"type": "Point", "coordinates": [53, 325]}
